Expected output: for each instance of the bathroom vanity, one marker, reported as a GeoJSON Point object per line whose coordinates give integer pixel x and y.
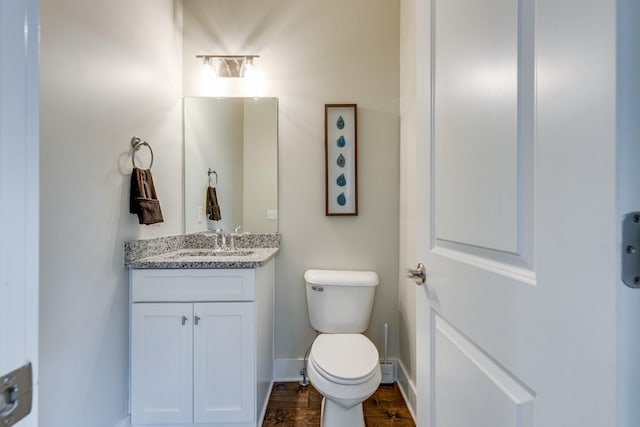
{"type": "Point", "coordinates": [201, 331]}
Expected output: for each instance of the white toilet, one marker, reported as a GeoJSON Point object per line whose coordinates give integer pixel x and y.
{"type": "Point", "coordinates": [343, 364]}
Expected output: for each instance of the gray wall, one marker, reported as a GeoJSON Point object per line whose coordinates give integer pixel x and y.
{"type": "Point", "coordinates": [314, 53]}
{"type": "Point", "coordinates": [260, 192]}
{"type": "Point", "coordinates": [408, 142]}
{"type": "Point", "coordinates": [109, 70]}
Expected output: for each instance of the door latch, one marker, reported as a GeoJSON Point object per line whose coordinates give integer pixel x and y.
{"type": "Point", "coordinates": [419, 275]}
{"type": "Point", "coordinates": [631, 250]}
{"type": "Point", "coordinates": [15, 395]}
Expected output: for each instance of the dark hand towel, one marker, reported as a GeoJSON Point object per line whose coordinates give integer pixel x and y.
{"type": "Point", "coordinates": [143, 199]}
{"type": "Point", "coordinates": [213, 208]}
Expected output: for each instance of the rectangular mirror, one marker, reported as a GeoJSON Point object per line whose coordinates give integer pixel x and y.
{"type": "Point", "coordinates": [238, 139]}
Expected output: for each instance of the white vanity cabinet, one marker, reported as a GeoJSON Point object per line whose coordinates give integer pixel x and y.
{"type": "Point", "coordinates": [201, 346]}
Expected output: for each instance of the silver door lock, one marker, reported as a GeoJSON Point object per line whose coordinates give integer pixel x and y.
{"type": "Point", "coordinates": [16, 394]}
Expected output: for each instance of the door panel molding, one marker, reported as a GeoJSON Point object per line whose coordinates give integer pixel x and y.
{"type": "Point", "coordinates": [491, 138]}
{"type": "Point", "coordinates": [560, 235]}
{"type": "Point", "coordinates": [506, 401]}
{"type": "Point", "coordinates": [509, 265]}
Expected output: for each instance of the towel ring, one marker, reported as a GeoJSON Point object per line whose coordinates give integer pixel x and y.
{"type": "Point", "coordinates": [136, 143]}
{"type": "Point", "coordinates": [214, 173]}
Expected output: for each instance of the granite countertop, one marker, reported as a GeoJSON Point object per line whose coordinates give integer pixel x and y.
{"type": "Point", "coordinates": [196, 251]}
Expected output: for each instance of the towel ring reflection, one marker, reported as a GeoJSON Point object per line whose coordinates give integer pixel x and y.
{"type": "Point", "coordinates": [214, 173]}
{"type": "Point", "coordinates": [136, 143]}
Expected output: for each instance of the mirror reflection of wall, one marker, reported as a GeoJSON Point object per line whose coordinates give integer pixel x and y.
{"type": "Point", "coordinates": [237, 138]}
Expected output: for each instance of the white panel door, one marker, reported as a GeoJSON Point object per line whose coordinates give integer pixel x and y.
{"type": "Point", "coordinates": [516, 322]}
{"type": "Point", "coordinates": [224, 362]}
{"type": "Point", "coordinates": [19, 211]}
{"type": "Point", "coordinates": [161, 363]}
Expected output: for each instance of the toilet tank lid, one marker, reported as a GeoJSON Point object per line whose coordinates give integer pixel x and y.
{"type": "Point", "coordinates": [341, 277]}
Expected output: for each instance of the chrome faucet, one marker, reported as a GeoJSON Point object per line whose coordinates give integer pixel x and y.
{"type": "Point", "coordinates": [232, 237]}
{"type": "Point", "coordinates": [223, 244]}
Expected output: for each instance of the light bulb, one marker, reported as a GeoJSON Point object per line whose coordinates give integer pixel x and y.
{"type": "Point", "coordinates": [248, 68]}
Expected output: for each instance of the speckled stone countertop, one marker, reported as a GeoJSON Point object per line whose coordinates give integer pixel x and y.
{"type": "Point", "coordinates": [196, 251]}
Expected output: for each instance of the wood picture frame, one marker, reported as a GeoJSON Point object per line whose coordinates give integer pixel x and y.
{"type": "Point", "coordinates": [341, 159]}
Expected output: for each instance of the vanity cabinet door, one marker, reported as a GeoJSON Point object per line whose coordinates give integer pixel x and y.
{"type": "Point", "coordinates": [161, 363]}
{"type": "Point", "coordinates": [224, 362]}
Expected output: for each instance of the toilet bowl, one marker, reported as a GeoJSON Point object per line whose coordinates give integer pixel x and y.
{"type": "Point", "coordinates": [344, 368]}
{"type": "Point", "coordinates": [343, 364]}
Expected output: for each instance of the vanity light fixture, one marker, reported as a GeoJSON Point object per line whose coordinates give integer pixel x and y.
{"type": "Point", "coordinates": [230, 65]}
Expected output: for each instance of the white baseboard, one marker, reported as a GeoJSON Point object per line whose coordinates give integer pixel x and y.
{"type": "Point", "coordinates": [287, 370]}
{"type": "Point", "coordinates": [265, 404]}
{"type": "Point", "coordinates": [407, 388]}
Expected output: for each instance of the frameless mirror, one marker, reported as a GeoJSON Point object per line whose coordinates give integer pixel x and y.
{"type": "Point", "coordinates": [237, 138]}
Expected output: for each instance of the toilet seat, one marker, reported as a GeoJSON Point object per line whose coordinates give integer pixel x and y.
{"type": "Point", "coordinates": [344, 358]}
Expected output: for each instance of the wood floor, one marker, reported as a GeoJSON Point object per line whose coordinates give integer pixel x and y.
{"type": "Point", "coordinates": [291, 405]}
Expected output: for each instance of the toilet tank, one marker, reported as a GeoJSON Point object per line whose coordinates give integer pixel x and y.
{"type": "Point", "coordinates": [340, 301]}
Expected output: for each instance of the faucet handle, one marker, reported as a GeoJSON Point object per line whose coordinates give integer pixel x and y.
{"type": "Point", "coordinates": [237, 229]}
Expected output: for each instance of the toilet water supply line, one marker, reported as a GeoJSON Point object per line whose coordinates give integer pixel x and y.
{"type": "Point", "coordinates": [386, 332]}
{"type": "Point", "coordinates": [305, 380]}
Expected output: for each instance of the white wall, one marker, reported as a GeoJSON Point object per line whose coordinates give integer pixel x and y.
{"type": "Point", "coordinates": [316, 52]}
{"type": "Point", "coordinates": [109, 70]}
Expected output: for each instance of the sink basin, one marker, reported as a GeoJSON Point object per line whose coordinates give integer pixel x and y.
{"type": "Point", "coordinates": [207, 253]}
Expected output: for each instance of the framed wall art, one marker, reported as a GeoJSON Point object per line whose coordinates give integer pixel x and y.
{"type": "Point", "coordinates": [341, 160]}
